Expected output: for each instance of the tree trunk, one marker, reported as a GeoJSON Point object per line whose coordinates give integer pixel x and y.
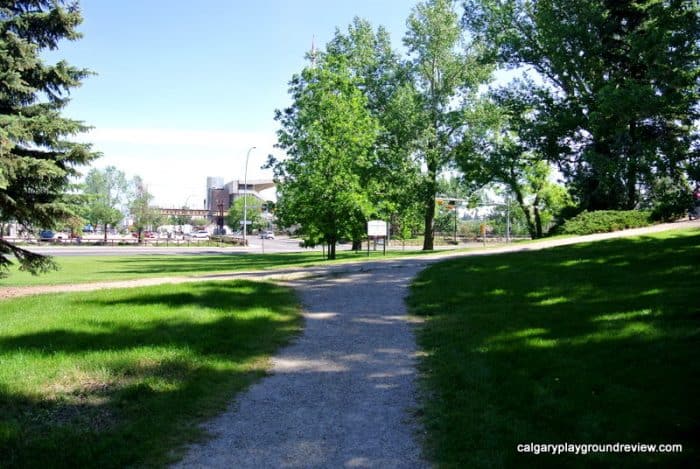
{"type": "Point", "coordinates": [428, 240]}
{"type": "Point", "coordinates": [357, 245]}
{"type": "Point", "coordinates": [632, 158]}
{"type": "Point", "coordinates": [105, 230]}
{"type": "Point", "coordinates": [331, 249]}
{"type": "Point", "coordinates": [526, 210]}
{"type": "Point", "coordinates": [538, 217]}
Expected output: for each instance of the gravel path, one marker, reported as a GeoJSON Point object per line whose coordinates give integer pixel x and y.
{"type": "Point", "coordinates": [342, 395]}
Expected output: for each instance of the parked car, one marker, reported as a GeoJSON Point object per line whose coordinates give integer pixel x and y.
{"type": "Point", "coordinates": [267, 234]}
{"type": "Point", "coordinates": [48, 235]}
{"type": "Point", "coordinates": [200, 234]}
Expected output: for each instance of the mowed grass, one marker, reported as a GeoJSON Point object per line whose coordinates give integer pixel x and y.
{"type": "Point", "coordinates": [122, 378]}
{"type": "Point", "coordinates": [85, 269]}
{"type": "Point", "coordinates": [591, 343]}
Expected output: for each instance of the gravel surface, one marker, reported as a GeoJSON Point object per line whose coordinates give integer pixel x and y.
{"type": "Point", "coordinates": [343, 394]}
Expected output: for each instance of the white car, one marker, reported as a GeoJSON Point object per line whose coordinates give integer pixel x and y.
{"type": "Point", "coordinates": [200, 234]}
{"type": "Point", "coordinates": [267, 235]}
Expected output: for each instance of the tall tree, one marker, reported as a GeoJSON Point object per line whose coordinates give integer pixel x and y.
{"type": "Point", "coordinates": [620, 87]}
{"type": "Point", "coordinates": [37, 160]}
{"type": "Point", "coordinates": [142, 213]}
{"type": "Point", "coordinates": [447, 72]}
{"type": "Point", "coordinates": [392, 174]}
{"type": "Point", "coordinates": [503, 149]}
{"type": "Point", "coordinates": [329, 136]}
{"type": "Point", "coordinates": [106, 194]}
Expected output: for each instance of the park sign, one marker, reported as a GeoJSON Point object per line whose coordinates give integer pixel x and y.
{"type": "Point", "coordinates": [376, 228]}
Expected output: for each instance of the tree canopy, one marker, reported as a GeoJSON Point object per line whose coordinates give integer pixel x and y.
{"type": "Point", "coordinates": [106, 197]}
{"type": "Point", "coordinates": [37, 158]}
{"type": "Point", "coordinates": [619, 86]}
{"type": "Point", "coordinates": [385, 81]}
{"type": "Point", "coordinates": [446, 71]}
{"type": "Point", "coordinates": [329, 135]}
{"type": "Point", "coordinates": [142, 213]}
{"type": "Point", "coordinates": [253, 208]}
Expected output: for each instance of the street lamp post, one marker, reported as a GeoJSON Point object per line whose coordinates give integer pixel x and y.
{"type": "Point", "coordinates": [245, 198]}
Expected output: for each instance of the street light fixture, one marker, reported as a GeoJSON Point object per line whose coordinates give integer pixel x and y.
{"type": "Point", "coordinates": [245, 197]}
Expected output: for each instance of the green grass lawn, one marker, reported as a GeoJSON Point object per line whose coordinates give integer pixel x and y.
{"type": "Point", "coordinates": [121, 378]}
{"type": "Point", "coordinates": [82, 269]}
{"type": "Point", "coordinates": [591, 343]}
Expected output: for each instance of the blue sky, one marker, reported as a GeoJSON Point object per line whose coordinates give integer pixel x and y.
{"type": "Point", "coordinates": [183, 89]}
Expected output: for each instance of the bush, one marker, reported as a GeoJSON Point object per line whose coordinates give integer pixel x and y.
{"type": "Point", "coordinates": [604, 221]}
{"type": "Point", "coordinates": [672, 200]}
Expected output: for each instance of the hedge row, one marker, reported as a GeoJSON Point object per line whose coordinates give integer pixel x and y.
{"type": "Point", "coordinates": [604, 221]}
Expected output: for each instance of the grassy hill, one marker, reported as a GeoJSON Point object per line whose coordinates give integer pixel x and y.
{"type": "Point", "coordinates": [590, 343]}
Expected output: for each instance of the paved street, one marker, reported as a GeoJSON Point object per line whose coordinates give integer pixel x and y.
{"type": "Point", "coordinates": [255, 245]}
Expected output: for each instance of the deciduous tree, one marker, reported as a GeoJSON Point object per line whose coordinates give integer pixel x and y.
{"type": "Point", "coordinates": [254, 208]}
{"type": "Point", "coordinates": [143, 214]}
{"type": "Point", "coordinates": [447, 72]}
{"type": "Point", "coordinates": [619, 87]}
{"type": "Point", "coordinates": [502, 149]}
{"type": "Point", "coordinates": [106, 194]}
{"type": "Point", "coordinates": [393, 174]}
{"type": "Point", "coordinates": [329, 136]}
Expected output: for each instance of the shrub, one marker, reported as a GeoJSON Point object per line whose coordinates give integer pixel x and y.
{"type": "Point", "coordinates": [604, 221]}
{"type": "Point", "coordinates": [672, 200]}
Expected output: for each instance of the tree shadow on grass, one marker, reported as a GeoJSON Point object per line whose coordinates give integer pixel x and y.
{"type": "Point", "coordinates": [592, 343]}
{"type": "Point", "coordinates": [122, 408]}
{"type": "Point", "coordinates": [207, 263]}
{"type": "Point", "coordinates": [222, 335]}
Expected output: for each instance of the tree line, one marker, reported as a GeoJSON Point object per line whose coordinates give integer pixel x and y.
{"type": "Point", "coordinates": [605, 97]}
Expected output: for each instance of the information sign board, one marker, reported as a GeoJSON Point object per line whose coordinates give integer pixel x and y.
{"type": "Point", "coordinates": [376, 228]}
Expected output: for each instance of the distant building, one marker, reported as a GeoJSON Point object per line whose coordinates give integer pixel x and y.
{"type": "Point", "coordinates": [221, 196]}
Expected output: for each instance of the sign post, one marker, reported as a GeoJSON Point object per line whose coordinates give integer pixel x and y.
{"type": "Point", "coordinates": [376, 229]}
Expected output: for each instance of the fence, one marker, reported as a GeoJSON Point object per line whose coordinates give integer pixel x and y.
{"type": "Point", "coordinates": [150, 242]}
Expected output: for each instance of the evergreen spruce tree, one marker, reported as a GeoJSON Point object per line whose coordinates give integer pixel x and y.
{"type": "Point", "coordinates": [37, 158]}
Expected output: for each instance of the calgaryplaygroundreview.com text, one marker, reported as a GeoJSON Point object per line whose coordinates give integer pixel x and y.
{"type": "Point", "coordinates": [587, 448]}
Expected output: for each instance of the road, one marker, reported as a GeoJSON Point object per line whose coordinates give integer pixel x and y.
{"type": "Point", "coordinates": [286, 244]}
{"type": "Point", "coordinates": [255, 246]}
